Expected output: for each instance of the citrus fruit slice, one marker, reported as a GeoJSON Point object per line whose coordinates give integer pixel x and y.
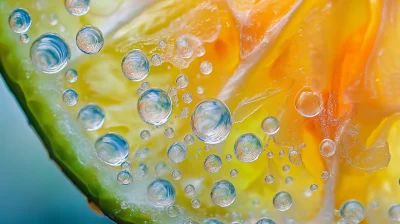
{"type": "Point", "coordinates": [208, 111]}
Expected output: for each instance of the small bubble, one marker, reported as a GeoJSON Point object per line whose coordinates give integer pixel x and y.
{"type": "Point", "coordinates": [183, 47]}
{"type": "Point", "coordinates": [172, 211]}
{"type": "Point", "coordinates": [135, 65]}
{"type": "Point", "coordinates": [247, 148]}
{"type": "Point", "coordinates": [286, 168]}
{"type": "Point", "coordinates": [124, 205]}
{"type": "Point", "coordinates": [189, 139]}
{"type": "Point", "coordinates": [161, 169]}
{"type": "Point", "coordinates": [182, 81]}
{"type": "Point", "coordinates": [313, 187]}
{"type": "Point", "coordinates": [206, 67]}
{"type": "Point", "coordinates": [269, 179]}
{"type": "Point", "coordinates": [156, 60]}
{"type": "Point", "coordinates": [295, 157]}
{"type": "Point", "coordinates": [212, 221]}
{"type": "Point", "coordinates": [270, 125]}
{"type": "Point", "coordinates": [307, 193]}
{"type": "Point", "coordinates": [112, 149]}
{"type": "Point", "coordinates": [154, 106]}
{"type": "Point", "coordinates": [53, 19]}
{"type": "Point", "coordinates": [234, 173]}
{"type": "Point", "coordinates": [270, 155]}
{"type": "Point", "coordinates": [281, 153]}
{"type": "Point", "coordinates": [196, 203]}
{"type": "Point", "coordinates": [212, 163]}
{"type": "Point", "coordinates": [145, 135]}
{"type": "Point", "coordinates": [394, 212]}
{"type": "Point", "coordinates": [124, 177]}
{"type": "Point", "coordinates": [19, 20]}
{"type": "Point", "coordinates": [24, 38]}
{"type": "Point", "coordinates": [228, 157]}
{"type": "Point", "coordinates": [71, 75]}
{"type": "Point", "coordinates": [184, 112]}
{"type": "Point", "coordinates": [77, 7]}
{"type": "Point", "coordinates": [327, 147]}
{"type": "Point", "coordinates": [352, 211]}
{"type": "Point", "coordinates": [282, 201]}
{"type": "Point", "coordinates": [289, 180]}
{"type": "Point", "coordinates": [189, 190]}
{"type": "Point", "coordinates": [200, 90]}
{"type": "Point", "coordinates": [187, 98]}
{"type": "Point", "coordinates": [176, 175]}
{"type": "Point", "coordinates": [126, 165]}
{"type": "Point", "coordinates": [177, 152]}
{"type": "Point", "coordinates": [191, 222]}
{"type": "Point", "coordinates": [173, 91]}
{"type": "Point", "coordinates": [169, 133]}
{"type": "Point", "coordinates": [91, 117]}
{"type": "Point", "coordinates": [89, 40]}
{"type": "Point", "coordinates": [308, 104]}
{"type": "Point", "coordinates": [141, 171]}
{"type": "Point", "coordinates": [161, 193]}
{"type": "Point", "coordinates": [256, 202]}
{"type": "Point", "coordinates": [70, 97]}
{"type": "Point", "coordinates": [162, 44]}
{"type": "Point", "coordinates": [142, 153]}
{"type": "Point", "coordinates": [223, 193]}
{"type": "Point", "coordinates": [265, 221]}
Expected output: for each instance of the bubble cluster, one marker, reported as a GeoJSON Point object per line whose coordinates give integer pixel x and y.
{"type": "Point", "coordinates": [161, 193]}
{"type": "Point", "coordinates": [91, 117]}
{"type": "Point", "coordinates": [89, 40]}
{"type": "Point", "coordinates": [211, 121]}
{"type": "Point", "coordinates": [77, 7]}
{"type": "Point", "coordinates": [212, 163]}
{"type": "Point", "coordinates": [71, 75]}
{"type": "Point", "coordinates": [135, 65]}
{"type": "Point", "coordinates": [265, 221]}
{"type": "Point", "coordinates": [270, 125]}
{"type": "Point", "coordinates": [124, 177]}
{"type": "Point", "coordinates": [70, 97]}
{"type": "Point", "coordinates": [352, 211]}
{"type": "Point", "coordinates": [154, 106]}
{"type": "Point", "coordinates": [177, 152]}
{"type": "Point", "coordinates": [327, 147]}
{"type": "Point", "coordinates": [282, 201]}
{"type": "Point", "coordinates": [206, 67]}
{"type": "Point", "coordinates": [112, 149]}
{"type": "Point", "coordinates": [223, 193]}
{"type": "Point", "coordinates": [50, 53]}
{"type": "Point", "coordinates": [19, 20]}
{"type": "Point", "coordinates": [247, 148]}
{"type": "Point", "coordinates": [308, 104]}
{"type": "Point", "coordinates": [394, 212]}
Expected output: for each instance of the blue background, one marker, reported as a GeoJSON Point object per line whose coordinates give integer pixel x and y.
{"type": "Point", "coordinates": [32, 188]}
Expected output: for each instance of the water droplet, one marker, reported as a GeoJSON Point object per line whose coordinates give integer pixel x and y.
{"type": "Point", "coordinates": [124, 205]}
{"type": "Point", "coordinates": [270, 125]}
{"type": "Point", "coordinates": [169, 133]}
{"type": "Point", "coordinates": [286, 168]}
{"type": "Point", "coordinates": [223, 193]}
{"type": "Point", "coordinates": [183, 47]}
{"type": "Point", "coordinates": [394, 212]}
{"type": "Point", "coordinates": [124, 177]}
{"type": "Point", "coordinates": [212, 163]}
{"type": "Point", "coordinates": [50, 53]}
{"type": "Point", "coordinates": [189, 139]}
{"type": "Point", "coordinates": [282, 201]}
{"type": "Point", "coordinates": [19, 20]}
{"type": "Point", "coordinates": [247, 148]}
{"type": "Point", "coordinates": [126, 165]}
{"type": "Point", "coordinates": [211, 121]}
{"type": "Point", "coordinates": [145, 135]}
{"type": "Point", "coordinates": [308, 104]}
{"type": "Point", "coordinates": [176, 175]}
{"type": "Point", "coordinates": [228, 157]}
{"type": "Point", "coordinates": [265, 221]}
{"type": "Point", "coordinates": [112, 149]}
{"type": "Point", "coordinates": [196, 203]}
{"type": "Point", "coordinates": [154, 106]}
{"type": "Point", "coordinates": [234, 173]}
{"type": "Point", "coordinates": [206, 67]}
{"type": "Point", "coordinates": [70, 97]}
{"type": "Point", "coordinates": [162, 44]}
{"type": "Point", "coordinates": [187, 98]}
{"type": "Point", "coordinates": [352, 211]}
{"type": "Point", "coordinates": [89, 40]}
{"type": "Point", "coordinates": [327, 147]}
{"type": "Point", "coordinates": [161, 193]}
{"type": "Point", "coordinates": [270, 154]}
{"type": "Point", "coordinates": [295, 157]}
{"type": "Point", "coordinates": [212, 221]}
{"type": "Point", "coordinates": [142, 153]}
{"type": "Point", "coordinates": [24, 38]}
{"type": "Point", "coordinates": [141, 171]}
{"type": "Point", "coordinates": [77, 7]}
{"type": "Point", "coordinates": [161, 168]}
{"type": "Point", "coordinates": [289, 180]}
{"type": "Point", "coordinates": [53, 19]}
{"type": "Point", "coordinates": [269, 179]}
{"type": "Point", "coordinates": [172, 211]}
{"type": "Point", "coordinates": [313, 187]}
{"type": "Point", "coordinates": [71, 75]}
{"type": "Point", "coordinates": [200, 90]}
{"type": "Point", "coordinates": [91, 117]}
{"type": "Point", "coordinates": [156, 60]}
{"type": "Point", "coordinates": [182, 81]}
{"type": "Point", "coordinates": [135, 65]}
{"type": "Point", "coordinates": [189, 190]}
{"type": "Point", "coordinates": [324, 175]}
{"type": "Point", "coordinates": [177, 152]}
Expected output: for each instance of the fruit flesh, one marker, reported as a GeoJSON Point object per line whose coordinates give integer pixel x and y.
{"type": "Point", "coordinates": [263, 53]}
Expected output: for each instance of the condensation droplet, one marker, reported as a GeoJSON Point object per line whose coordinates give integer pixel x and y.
{"type": "Point", "coordinates": [141, 171]}
{"type": "Point", "coordinates": [162, 44]}
{"type": "Point", "coordinates": [265, 221]}
{"type": "Point", "coordinates": [156, 60]}
{"type": "Point", "coordinates": [161, 169]}
{"type": "Point", "coordinates": [286, 168]}
{"type": "Point", "coordinates": [228, 157]}
{"type": "Point", "coordinates": [270, 154]}
{"type": "Point", "coordinates": [126, 165]}
{"type": "Point", "coordinates": [124, 205]}
{"type": "Point", "coordinates": [53, 19]}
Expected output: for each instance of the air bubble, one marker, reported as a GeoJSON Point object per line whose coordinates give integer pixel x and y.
{"type": "Point", "coordinates": [212, 163]}
{"type": "Point", "coordinates": [189, 190]}
{"type": "Point", "coordinates": [142, 153]}
{"type": "Point", "coordinates": [177, 152]}
{"type": "Point", "coordinates": [265, 221]}
{"type": "Point", "coordinates": [124, 177]}
{"type": "Point", "coordinates": [145, 135]}
{"type": "Point", "coordinates": [228, 157]}
{"type": "Point", "coordinates": [281, 153]}
{"type": "Point", "coordinates": [183, 47]}
{"type": "Point", "coordinates": [124, 205]}
{"type": "Point", "coordinates": [112, 149]}
{"type": "Point", "coordinates": [324, 175]}
{"type": "Point", "coordinates": [154, 106]}
{"type": "Point", "coordinates": [282, 201]}
{"type": "Point", "coordinates": [70, 97]}
{"type": "Point", "coordinates": [200, 90]}
{"type": "Point", "coordinates": [71, 75]}
{"type": "Point", "coordinates": [176, 175]}
{"type": "Point", "coordinates": [286, 168]}
{"type": "Point", "coordinates": [234, 173]}
{"type": "Point", "coordinates": [270, 125]}
{"type": "Point", "coordinates": [223, 193]}
{"type": "Point", "coordinates": [50, 53]}
{"type": "Point", "coordinates": [206, 67]}
{"type": "Point", "coordinates": [161, 193]}
{"type": "Point", "coordinates": [89, 40]}
{"type": "Point", "coordinates": [91, 117]}
{"type": "Point", "coordinates": [19, 20]}
{"type": "Point", "coordinates": [161, 168]}
{"type": "Point", "coordinates": [270, 155]}
{"type": "Point", "coordinates": [196, 203]}
{"type": "Point", "coordinates": [308, 104]}
{"type": "Point", "coordinates": [135, 65]}
{"type": "Point", "coordinates": [182, 81]}
{"type": "Point", "coordinates": [187, 98]}
{"type": "Point", "coordinates": [53, 19]}
{"type": "Point", "coordinates": [269, 179]}
{"type": "Point", "coordinates": [189, 139]}
{"type": "Point", "coordinates": [24, 38]}
{"type": "Point", "coordinates": [352, 211]}
{"type": "Point", "coordinates": [247, 148]}
{"type": "Point", "coordinates": [77, 7]}
{"type": "Point", "coordinates": [327, 147]}
{"type": "Point", "coordinates": [313, 187]}
{"type": "Point", "coordinates": [126, 165]}
{"type": "Point", "coordinates": [141, 171]}
{"type": "Point", "coordinates": [295, 157]}
{"type": "Point", "coordinates": [394, 212]}
{"type": "Point", "coordinates": [156, 60]}
{"type": "Point", "coordinates": [172, 211]}
{"type": "Point", "coordinates": [162, 44]}
{"type": "Point", "coordinates": [169, 133]}
{"type": "Point", "coordinates": [211, 121]}
{"type": "Point", "coordinates": [289, 180]}
{"type": "Point", "coordinates": [212, 221]}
